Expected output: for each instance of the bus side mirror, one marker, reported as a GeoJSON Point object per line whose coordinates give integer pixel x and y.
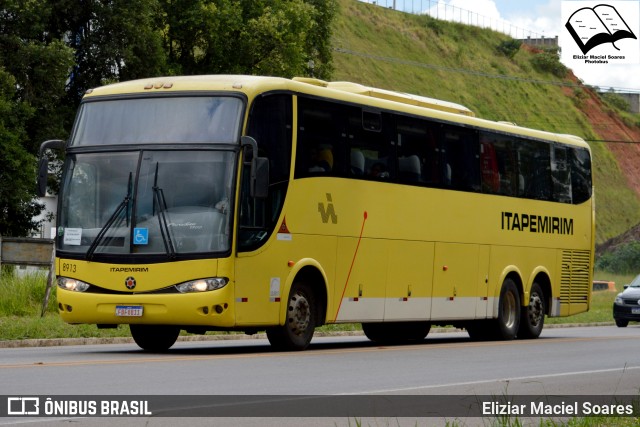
{"type": "Point", "coordinates": [259, 174]}
{"type": "Point", "coordinates": [43, 164]}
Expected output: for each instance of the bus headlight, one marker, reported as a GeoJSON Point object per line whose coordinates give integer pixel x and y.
{"type": "Point", "coordinates": [202, 285]}
{"type": "Point", "coordinates": [69, 284]}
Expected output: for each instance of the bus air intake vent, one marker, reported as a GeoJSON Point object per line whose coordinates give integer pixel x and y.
{"type": "Point", "coordinates": [574, 280]}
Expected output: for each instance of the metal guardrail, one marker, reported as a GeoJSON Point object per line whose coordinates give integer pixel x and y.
{"type": "Point", "coordinates": [447, 12]}
{"type": "Point", "coordinates": [30, 251]}
{"type": "Point", "coordinates": [604, 285]}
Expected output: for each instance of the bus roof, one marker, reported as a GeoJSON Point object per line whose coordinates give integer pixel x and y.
{"type": "Point", "coordinates": [341, 91]}
{"type": "Point", "coordinates": [403, 98]}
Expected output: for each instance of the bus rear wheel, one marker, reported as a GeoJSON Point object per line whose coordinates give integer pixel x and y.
{"type": "Point", "coordinates": [300, 322]}
{"type": "Point", "coordinates": [506, 326]}
{"type": "Point", "coordinates": [396, 332]}
{"type": "Point", "coordinates": [532, 319]}
{"type": "Point", "coordinates": [155, 338]}
{"type": "Point", "coordinates": [508, 321]}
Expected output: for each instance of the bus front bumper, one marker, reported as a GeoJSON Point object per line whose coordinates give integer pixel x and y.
{"type": "Point", "coordinates": [213, 308]}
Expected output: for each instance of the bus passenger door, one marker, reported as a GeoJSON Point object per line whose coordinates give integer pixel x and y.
{"type": "Point", "coordinates": [455, 281]}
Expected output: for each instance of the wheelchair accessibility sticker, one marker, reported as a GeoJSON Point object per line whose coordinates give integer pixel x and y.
{"type": "Point", "coordinates": [140, 236]}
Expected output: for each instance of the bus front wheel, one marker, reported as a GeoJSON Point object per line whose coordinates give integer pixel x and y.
{"type": "Point", "coordinates": [155, 338]}
{"type": "Point", "coordinates": [300, 321]}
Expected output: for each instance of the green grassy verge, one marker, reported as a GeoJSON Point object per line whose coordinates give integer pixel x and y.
{"type": "Point", "coordinates": [21, 303]}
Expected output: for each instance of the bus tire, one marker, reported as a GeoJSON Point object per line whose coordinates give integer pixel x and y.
{"type": "Point", "coordinates": [509, 307]}
{"type": "Point", "coordinates": [396, 332]}
{"type": "Point", "coordinates": [154, 338]}
{"type": "Point", "coordinates": [300, 321]}
{"type": "Point", "coordinates": [532, 318]}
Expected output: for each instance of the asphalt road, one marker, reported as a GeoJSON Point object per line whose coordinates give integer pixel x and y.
{"type": "Point", "coordinates": [563, 361]}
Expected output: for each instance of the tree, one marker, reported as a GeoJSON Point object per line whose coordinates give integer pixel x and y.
{"type": "Point", "coordinates": [319, 38]}
{"type": "Point", "coordinates": [33, 70]}
{"type": "Point", "coordinates": [113, 40]}
{"type": "Point", "coordinates": [17, 166]}
{"type": "Point", "coordinates": [52, 51]}
{"type": "Point", "coordinates": [275, 37]}
{"type": "Point", "coordinates": [40, 66]}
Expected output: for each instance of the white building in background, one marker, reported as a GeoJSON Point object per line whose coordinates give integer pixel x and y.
{"type": "Point", "coordinates": [47, 229]}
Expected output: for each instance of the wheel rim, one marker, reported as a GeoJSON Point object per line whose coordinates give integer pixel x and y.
{"type": "Point", "coordinates": [509, 310]}
{"type": "Point", "coordinates": [535, 309]}
{"type": "Point", "coordinates": [299, 314]}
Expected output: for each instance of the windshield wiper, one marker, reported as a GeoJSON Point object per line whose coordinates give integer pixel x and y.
{"type": "Point", "coordinates": [124, 204]}
{"type": "Point", "coordinates": [158, 197]}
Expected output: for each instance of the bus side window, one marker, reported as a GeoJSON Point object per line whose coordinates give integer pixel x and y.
{"type": "Point", "coordinates": [357, 162]}
{"type": "Point", "coordinates": [534, 169]}
{"type": "Point", "coordinates": [561, 174]}
{"type": "Point", "coordinates": [506, 162]}
{"type": "Point", "coordinates": [369, 145]}
{"type": "Point", "coordinates": [581, 186]}
{"type": "Point", "coordinates": [462, 159]}
{"type": "Point", "coordinates": [416, 154]}
{"type": "Point", "coordinates": [489, 168]}
{"type": "Point", "coordinates": [320, 158]}
{"type": "Point", "coordinates": [320, 147]}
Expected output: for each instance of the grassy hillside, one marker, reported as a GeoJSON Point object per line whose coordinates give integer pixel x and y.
{"type": "Point", "coordinates": [459, 63]}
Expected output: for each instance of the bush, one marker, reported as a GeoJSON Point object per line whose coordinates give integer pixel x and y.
{"type": "Point", "coordinates": [549, 62]}
{"type": "Point", "coordinates": [624, 259]}
{"type": "Point", "coordinates": [435, 25]}
{"type": "Point", "coordinates": [616, 101]}
{"type": "Point", "coordinates": [509, 48]}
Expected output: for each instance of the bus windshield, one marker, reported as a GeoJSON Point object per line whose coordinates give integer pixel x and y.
{"type": "Point", "coordinates": [173, 203]}
{"type": "Point", "coordinates": [159, 120]}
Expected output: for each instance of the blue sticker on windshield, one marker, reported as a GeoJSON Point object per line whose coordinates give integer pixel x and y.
{"type": "Point", "coordinates": [140, 236]}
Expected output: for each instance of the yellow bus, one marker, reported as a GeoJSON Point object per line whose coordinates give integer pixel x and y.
{"type": "Point", "coordinates": [251, 203]}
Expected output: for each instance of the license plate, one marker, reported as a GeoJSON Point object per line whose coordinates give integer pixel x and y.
{"type": "Point", "coordinates": [635, 310]}
{"type": "Point", "coordinates": [129, 310]}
